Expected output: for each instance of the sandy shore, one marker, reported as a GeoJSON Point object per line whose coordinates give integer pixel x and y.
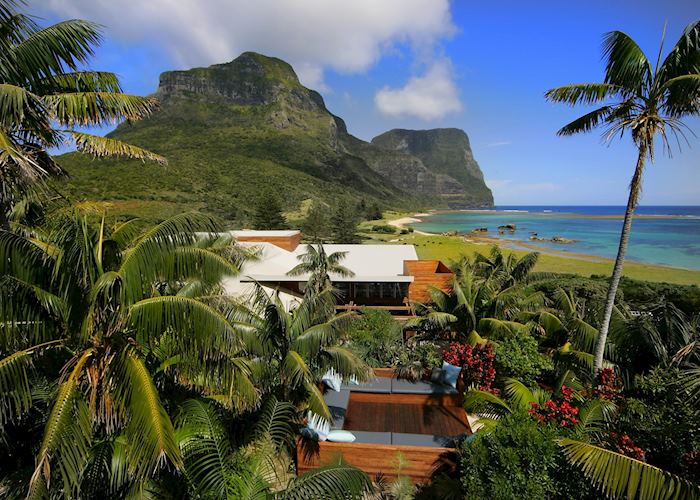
{"type": "Point", "coordinates": [404, 221]}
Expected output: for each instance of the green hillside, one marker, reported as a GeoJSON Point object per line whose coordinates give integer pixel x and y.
{"type": "Point", "coordinates": [232, 132]}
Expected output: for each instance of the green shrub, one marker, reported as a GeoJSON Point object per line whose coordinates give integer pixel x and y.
{"type": "Point", "coordinates": [416, 358]}
{"type": "Point", "coordinates": [513, 461]}
{"type": "Point", "coordinates": [662, 419]}
{"type": "Point", "coordinates": [518, 357]}
{"type": "Point", "coordinates": [383, 228]}
{"type": "Point", "coordinates": [375, 336]}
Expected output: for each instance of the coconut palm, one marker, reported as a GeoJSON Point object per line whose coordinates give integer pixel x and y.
{"type": "Point", "coordinates": [45, 94]}
{"type": "Point", "coordinates": [298, 345]}
{"type": "Point", "coordinates": [320, 265]}
{"type": "Point", "coordinates": [505, 269]}
{"type": "Point", "coordinates": [258, 468]}
{"type": "Point", "coordinates": [116, 306]}
{"type": "Point", "coordinates": [475, 303]}
{"type": "Point", "coordinates": [646, 102]}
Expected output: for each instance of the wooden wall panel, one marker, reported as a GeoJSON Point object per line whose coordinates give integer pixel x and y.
{"type": "Point", "coordinates": [419, 461]}
{"type": "Point", "coordinates": [426, 274]}
{"type": "Point", "coordinates": [288, 243]}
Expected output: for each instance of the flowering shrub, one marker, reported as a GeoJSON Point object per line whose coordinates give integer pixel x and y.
{"type": "Point", "coordinates": [624, 445]}
{"type": "Point", "coordinates": [608, 386]}
{"type": "Point", "coordinates": [476, 362]}
{"type": "Point", "coordinates": [559, 411]}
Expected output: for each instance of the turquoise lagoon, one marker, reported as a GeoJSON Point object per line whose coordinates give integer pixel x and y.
{"type": "Point", "coordinates": [670, 235]}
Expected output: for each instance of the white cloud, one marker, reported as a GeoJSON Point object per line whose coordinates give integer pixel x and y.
{"type": "Point", "coordinates": [310, 34]}
{"type": "Point", "coordinates": [428, 97]}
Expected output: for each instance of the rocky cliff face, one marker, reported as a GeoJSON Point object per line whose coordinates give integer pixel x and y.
{"type": "Point", "coordinates": [233, 130]}
{"type": "Point", "coordinates": [445, 153]}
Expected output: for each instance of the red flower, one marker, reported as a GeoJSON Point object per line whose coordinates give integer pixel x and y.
{"type": "Point", "coordinates": [608, 385]}
{"type": "Point", "coordinates": [476, 363]}
{"type": "Point", "coordinates": [559, 410]}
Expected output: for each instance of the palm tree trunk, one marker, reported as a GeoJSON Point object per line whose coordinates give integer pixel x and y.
{"type": "Point", "coordinates": [635, 186]}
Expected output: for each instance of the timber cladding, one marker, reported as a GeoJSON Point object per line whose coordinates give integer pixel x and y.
{"type": "Point", "coordinates": [426, 274]}
{"type": "Point", "coordinates": [288, 243]}
{"type": "Point", "coordinates": [392, 461]}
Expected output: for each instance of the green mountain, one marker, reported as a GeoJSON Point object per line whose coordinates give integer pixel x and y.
{"type": "Point", "coordinates": [236, 130]}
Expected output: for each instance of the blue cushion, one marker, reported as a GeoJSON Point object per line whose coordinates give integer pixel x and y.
{"type": "Point", "coordinates": [450, 374]}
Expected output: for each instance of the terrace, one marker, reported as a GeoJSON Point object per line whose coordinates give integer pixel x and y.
{"type": "Point", "coordinates": [392, 421]}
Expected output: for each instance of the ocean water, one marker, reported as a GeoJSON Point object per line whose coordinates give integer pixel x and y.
{"type": "Point", "coordinates": [672, 238]}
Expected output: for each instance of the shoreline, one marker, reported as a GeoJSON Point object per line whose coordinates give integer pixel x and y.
{"type": "Point", "coordinates": [403, 223]}
{"type": "Point", "coordinates": [568, 215]}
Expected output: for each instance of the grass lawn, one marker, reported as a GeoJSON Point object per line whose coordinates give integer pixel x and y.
{"type": "Point", "coordinates": [448, 248]}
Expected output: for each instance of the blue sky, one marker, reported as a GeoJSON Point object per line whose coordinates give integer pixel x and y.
{"type": "Point", "coordinates": [479, 66]}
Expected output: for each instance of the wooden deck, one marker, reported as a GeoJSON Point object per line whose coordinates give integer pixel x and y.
{"type": "Point", "coordinates": [395, 413]}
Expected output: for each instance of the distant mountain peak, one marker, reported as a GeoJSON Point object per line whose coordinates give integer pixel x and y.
{"type": "Point", "coordinates": [251, 78]}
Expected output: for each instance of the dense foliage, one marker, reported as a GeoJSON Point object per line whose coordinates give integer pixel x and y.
{"type": "Point", "coordinates": [376, 337]}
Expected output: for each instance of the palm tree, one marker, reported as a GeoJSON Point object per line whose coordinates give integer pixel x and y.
{"type": "Point", "coordinates": [299, 345]}
{"type": "Point", "coordinates": [647, 102]}
{"type": "Point", "coordinates": [319, 265]}
{"type": "Point", "coordinates": [44, 95]}
{"type": "Point", "coordinates": [506, 269]}
{"type": "Point", "coordinates": [475, 302]}
{"type": "Point", "coordinates": [258, 468]}
{"type": "Point", "coordinates": [121, 307]}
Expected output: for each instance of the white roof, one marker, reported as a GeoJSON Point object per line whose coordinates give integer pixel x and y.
{"type": "Point", "coordinates": [370, 263]}
{"type": "Point", "coordinates": [242, 233]}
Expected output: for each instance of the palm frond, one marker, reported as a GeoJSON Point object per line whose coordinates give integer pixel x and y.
{"type": "Point", "coordinates": [276, 422]}
{"type": "Point", "coordinates": [52, 50]}
{"type": "Point", "coordinates": [519, 395]}
{"type": "Point", "coordinates": [206, 449]}
{"type": "Point", "coordinates": [151, 442]}
{"type": "Point", "coordinates": [105, 146]}
{"type": "Point", "coordinates": [15, 390]}
{"type": "Point", "coordinates": [582, 93]}
{"type": "Point", "coordinates": [627, 66]}
{"type": "Point", "coordinates": [587, 122]}
{"type": "Point", "coordinates": [67, 435]}
{"type": "Point", "coordinates": [620, 476]}
{"type": "Point", "coordinates": [332, 482]}
{"type": "Point", "coordinates": [199, 327]}
{"type": "Point", "coordinates": [485, 404]}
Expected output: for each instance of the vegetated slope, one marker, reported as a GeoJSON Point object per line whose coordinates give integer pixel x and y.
{"type": "Point", "coordinates": [232, 132]}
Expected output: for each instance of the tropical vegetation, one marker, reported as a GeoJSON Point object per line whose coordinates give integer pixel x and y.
{"type": "Point", "coordinates": [127, 371]}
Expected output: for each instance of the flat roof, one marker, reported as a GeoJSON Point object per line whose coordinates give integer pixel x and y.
{"type": "Point", "coordinates": [370, 263]}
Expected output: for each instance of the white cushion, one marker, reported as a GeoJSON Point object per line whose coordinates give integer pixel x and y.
{"type": "Point", "coordinates": [332, 380]}
{"type": "Point", "coordinates": [340, 436]}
